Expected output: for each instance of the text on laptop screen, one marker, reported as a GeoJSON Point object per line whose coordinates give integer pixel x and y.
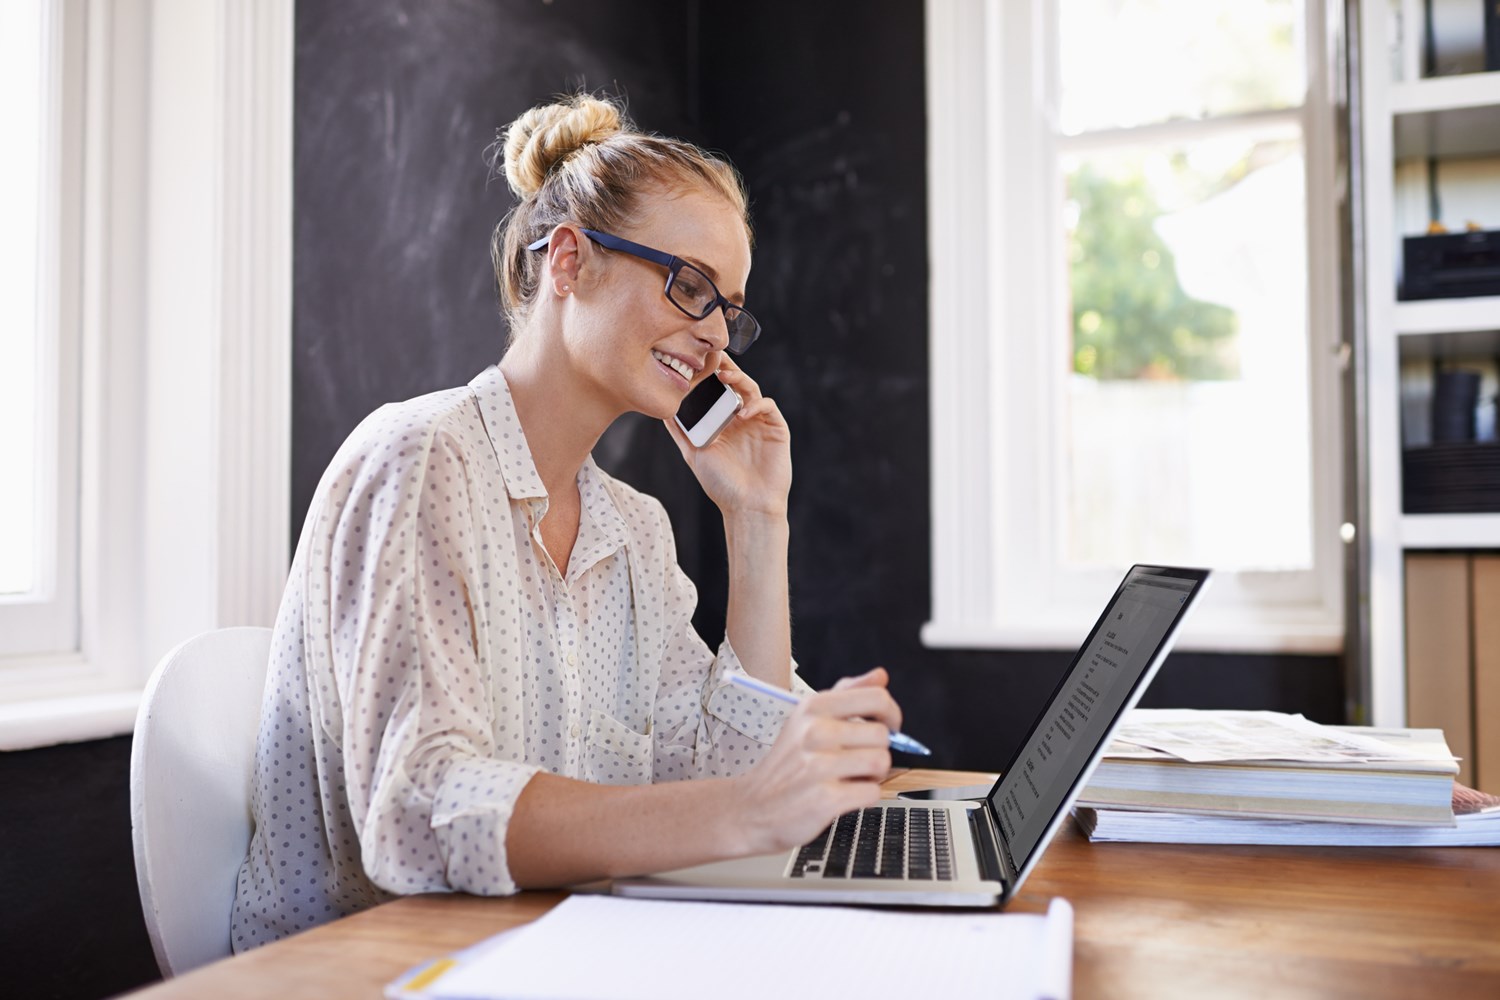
{"type": "Point", "coordinates": [1083, 708]}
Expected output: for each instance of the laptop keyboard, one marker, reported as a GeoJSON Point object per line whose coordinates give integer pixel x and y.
{"type": "Point", "coordinates": [880, 843]}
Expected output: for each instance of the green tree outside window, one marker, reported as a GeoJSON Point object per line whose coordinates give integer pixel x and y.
{"type": "Point", "coordinates": [1131, 318]}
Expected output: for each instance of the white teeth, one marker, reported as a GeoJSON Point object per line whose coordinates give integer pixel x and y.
{"type": "Point", "coordinates": [680, 367]}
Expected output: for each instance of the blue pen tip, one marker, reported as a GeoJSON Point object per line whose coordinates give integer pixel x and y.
{"type": "Point", "coordinates": [904, 743]}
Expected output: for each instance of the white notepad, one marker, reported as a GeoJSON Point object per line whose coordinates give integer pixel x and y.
{"type": "Point", "coordinates": [610, 948]}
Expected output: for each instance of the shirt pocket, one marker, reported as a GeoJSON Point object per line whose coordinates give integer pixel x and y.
{"type": "Point", "coordinates": [615, 754]}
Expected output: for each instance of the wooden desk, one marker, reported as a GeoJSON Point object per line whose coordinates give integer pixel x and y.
{"type": "Point", "coordinates": [1152, 921]}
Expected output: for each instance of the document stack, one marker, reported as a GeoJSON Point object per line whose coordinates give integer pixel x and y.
{"type": "Point", "coordinates": [1183, 776]}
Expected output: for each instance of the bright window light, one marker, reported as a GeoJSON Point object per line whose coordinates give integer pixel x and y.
{"type": "Point", "coordinates": [21, 122]}
{"type": "Point", "coordinates": [1145, 192]}
{"type": "Point", "coordinates": [1185, 420]}
{"type": "Point", "coordinates": [1189, 316]}
{"type": "Point", "coordinates": [1126, 63]}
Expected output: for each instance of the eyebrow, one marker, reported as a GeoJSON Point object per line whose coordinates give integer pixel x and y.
{"type": "Point", "coordinates": [738, 298]}
{"type": "Point", "coordinates": [705, 267]}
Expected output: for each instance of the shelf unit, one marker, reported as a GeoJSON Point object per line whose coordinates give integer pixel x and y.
{"type": "Point", "coordinates": [1450, 531]}
{"type": "Point", "coordinates": [1444, 117]}
{"type": "Point", "coordinates": [1448, 316]}
{"type": "Point", "coordinates": [1449, 116]}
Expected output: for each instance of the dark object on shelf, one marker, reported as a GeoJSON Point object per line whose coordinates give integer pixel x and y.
{"type": "Point", "coordinates": [1451, 479]}
{"type": "Point", "coordinates": [1455, 405]}
{"type": "Point", "coordinates": [1453, 265]}
{"type": "Point", "coordinates": [1492, 34]}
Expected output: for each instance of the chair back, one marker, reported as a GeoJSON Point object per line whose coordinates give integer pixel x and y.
{"type": "Point", "coordinates": [190, 770]}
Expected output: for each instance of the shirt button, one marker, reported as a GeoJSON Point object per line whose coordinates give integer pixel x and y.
{"type": "Point", "coordinates": [575, 730]}
{"type": "Point", "coordinates": [572, 659]}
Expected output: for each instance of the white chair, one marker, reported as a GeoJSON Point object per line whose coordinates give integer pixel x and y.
{"type": "Point", "coordinates": [190, 768]}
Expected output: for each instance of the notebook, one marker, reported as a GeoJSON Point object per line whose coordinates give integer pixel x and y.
{"type": "Point", "coordinates": [979, 852]}
{"type": "Point", "coordinates": [649, 949]}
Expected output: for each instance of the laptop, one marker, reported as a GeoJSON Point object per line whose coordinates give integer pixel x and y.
{"type": "Point", "coordinates": [907, 852]}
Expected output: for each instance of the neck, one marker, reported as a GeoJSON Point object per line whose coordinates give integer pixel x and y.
{"type": "Point", "coordinates": [562, 420]}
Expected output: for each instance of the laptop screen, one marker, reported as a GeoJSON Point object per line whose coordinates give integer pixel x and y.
{"type": "Point", "coordinates": [1105, 677]}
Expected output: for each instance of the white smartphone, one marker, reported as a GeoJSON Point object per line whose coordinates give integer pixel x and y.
{"type": "Point", "coordinates": [707, 410]}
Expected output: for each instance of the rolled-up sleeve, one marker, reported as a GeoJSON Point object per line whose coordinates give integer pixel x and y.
{"type": "Point", "coordinates": [706, 726]}
{"type": "Point", "coordinates": [401, 685]}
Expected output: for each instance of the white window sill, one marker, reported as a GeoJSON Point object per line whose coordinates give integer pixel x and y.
{"type": "Point", "coordinates": [42, 722]}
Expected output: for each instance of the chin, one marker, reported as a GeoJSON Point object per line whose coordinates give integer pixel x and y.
{"type": "Point", "coordinates": [657, 405]}
{"type": "Point", "coordinates": [661, 413]}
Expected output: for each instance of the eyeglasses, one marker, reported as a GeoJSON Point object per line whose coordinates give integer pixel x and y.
{"type": "Point", "coordinates": [688, 288]}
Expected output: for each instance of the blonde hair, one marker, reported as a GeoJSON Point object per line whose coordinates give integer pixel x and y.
{"type": "Point", "coordinates": [582, 160]}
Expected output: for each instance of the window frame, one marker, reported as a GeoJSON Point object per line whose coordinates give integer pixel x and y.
{"type": "Point", "coordinates": [45, 618]}
{"type": "Point", "coordinates": [996, 582]}
{"type": "Point", "coordinates": [184, 319]}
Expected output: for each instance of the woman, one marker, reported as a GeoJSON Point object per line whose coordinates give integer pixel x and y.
{"type": "Point", "coordinates": [484, 675]}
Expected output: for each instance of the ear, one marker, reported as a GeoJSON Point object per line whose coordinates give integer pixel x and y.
{"type": "Point", "coordinates": [565, 254]}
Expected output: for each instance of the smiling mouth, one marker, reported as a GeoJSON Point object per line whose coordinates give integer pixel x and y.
{"type": "Point", "coordinates": [680, 367]}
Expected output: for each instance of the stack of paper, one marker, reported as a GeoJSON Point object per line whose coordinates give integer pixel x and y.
{"type": "Point", "coordinates": [610, 948]}
{"type": "Point", "coordinates": [1268, 765]}
{"type": "Point", "coordinates": [1266, 778]}
{"type": "Point", "coordinates": [1477, 824]}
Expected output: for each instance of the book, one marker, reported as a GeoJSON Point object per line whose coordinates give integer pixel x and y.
{"type": "Point", "coordinates": [1476, 815]}
{"type": "Point", "coordinates": [651, 949]}
{"type": "Point", "coordinates": [1270, 765]}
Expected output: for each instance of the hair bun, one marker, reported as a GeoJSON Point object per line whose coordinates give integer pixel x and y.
{"type": "Point", "coordinates": [545, 136]}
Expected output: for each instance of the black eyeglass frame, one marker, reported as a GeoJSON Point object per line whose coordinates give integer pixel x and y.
{"type": "Point", "coordinates": [735, 316]}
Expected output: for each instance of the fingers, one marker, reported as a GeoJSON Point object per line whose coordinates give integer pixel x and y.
{"type": "Point", "coordinates": [823, 764]}
{"type": "Point", "coordinates": [734, 376]}
{"type": "Point", "coordinates": [836, 734]}
{"type": "Point", "coordinates": [856, 702]}
{"type": "Point", "coordinates": [862, 765]}
{"type": "Point", "coordinates": [753, 403]}
{"type": "Point", "coordinates": [857, 795]}
{"type": "Point", "coordinates": [857, 750]}
{"type": "Point", "coordinates": [844, 750]}
{"type": "Point", "coordinates": [683, 444]}
{"type": "Point", "coordinates": [762, 407]}
{"type": "Point", "coordinates": [875, 677]}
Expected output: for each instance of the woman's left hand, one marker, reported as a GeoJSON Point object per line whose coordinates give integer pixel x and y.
{"type": "Point", "coordinates": [747, 469]}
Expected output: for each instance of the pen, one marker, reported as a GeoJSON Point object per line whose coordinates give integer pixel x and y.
{"type": "Point", "coordinates": [898, 741]}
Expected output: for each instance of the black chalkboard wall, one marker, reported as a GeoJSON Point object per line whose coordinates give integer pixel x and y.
{"type": "Point", "coordinates": [821, 106]}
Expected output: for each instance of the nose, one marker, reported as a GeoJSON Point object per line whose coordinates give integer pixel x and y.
{"type": "Point", "coordinates": [713, 330]}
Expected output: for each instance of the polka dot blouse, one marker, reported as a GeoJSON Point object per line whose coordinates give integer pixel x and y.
{"type": "Point", "coordinates": [429, 658]}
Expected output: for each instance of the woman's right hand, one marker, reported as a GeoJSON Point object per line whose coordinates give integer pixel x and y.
{"type": "Point", "coordinates": [830, 758]}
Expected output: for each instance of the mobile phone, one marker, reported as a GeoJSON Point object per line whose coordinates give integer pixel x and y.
{"type": "Point", "coordinates": [707, 410]}
{"type": "Point", "coordinates": [963, 793]}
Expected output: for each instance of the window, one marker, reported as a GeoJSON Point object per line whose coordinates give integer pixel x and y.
{"type": "Point", "coordinates": [145, 321]}
{"type": "Point", "coordinates": [1134, 316]}
{"type": "Point", "coordinates": [40, 74]}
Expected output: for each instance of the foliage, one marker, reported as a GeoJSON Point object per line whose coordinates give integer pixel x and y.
{"type": "Point", "coordinates": [1131, 318]}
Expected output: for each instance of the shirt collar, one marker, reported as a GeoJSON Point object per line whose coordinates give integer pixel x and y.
{"type": "Point", "coordinates": [498, 410]}
{"type": "Point", "coordinates": [601, 528]}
